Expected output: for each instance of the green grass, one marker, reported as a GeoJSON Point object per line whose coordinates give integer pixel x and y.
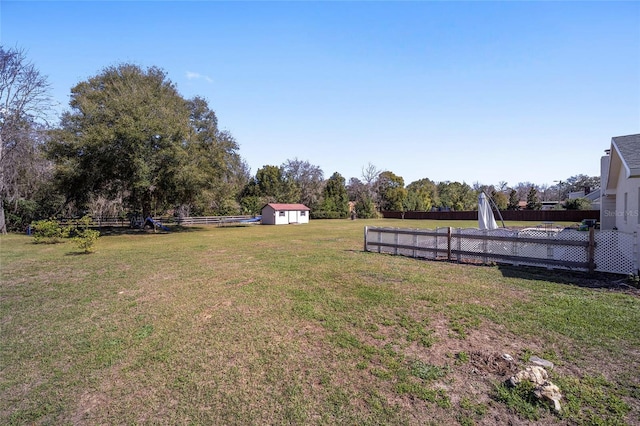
{"type": "Point", "coordinates": [294, 324]}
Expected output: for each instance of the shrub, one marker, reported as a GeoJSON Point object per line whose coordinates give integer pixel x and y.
{"type": "Point", "coordinates": [577, 204]}
{"type": "Point", "coordinates": [85, 238]}
{"type": "Point", "coordinates": [49, 232]}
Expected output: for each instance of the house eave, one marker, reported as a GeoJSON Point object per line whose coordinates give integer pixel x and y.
{"type": "Point", "coordinates": [633, 173]}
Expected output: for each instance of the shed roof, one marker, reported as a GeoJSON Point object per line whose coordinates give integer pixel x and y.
{"type": "Point", "coordinates": [287, 207]}
{"type": "Point", "coordinates": [628, 148]}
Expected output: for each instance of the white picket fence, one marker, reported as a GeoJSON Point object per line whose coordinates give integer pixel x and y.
{"type": "Point", "coordinates": [595, 250]}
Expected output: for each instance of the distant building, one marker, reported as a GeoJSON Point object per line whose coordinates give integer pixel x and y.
{"type": "Point", "coordinates": [284, 214]}
{"type": "Point", "coordinates": [548, 205]}
{"type": "Point", "coordinates": [592, 196]}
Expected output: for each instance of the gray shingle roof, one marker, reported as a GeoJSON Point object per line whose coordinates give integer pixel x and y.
{"type": "Point", "coordinates": [629, 149]}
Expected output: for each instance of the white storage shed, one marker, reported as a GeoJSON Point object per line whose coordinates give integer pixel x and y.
{"type": "Point", "coordinates": [284, 214]}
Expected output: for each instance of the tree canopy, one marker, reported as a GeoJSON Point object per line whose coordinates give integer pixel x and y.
{"type": "Point", "coordinates": [335, 201]}
{"type": "Point", "coordinates": [129, 133]}
{"type": "Point", "coordinates": [422, 195]}
{"type": "Point", "coordinates": [391, 191]}
{"type": "Point", "coordinates": [308, 178]}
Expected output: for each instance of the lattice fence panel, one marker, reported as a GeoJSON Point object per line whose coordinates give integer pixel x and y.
{"type": "Point", "coordinates": [472, 248]}
{"type": "Point", "coordinates": [533, 250]}
{"type": "Point", "coordinates": [615, 252]}
{"type": "Point", "coordinates": [501, 247]}
{"type": "Point", "coordinates": [385, 238]}
{"type": "Point", "coordinates": [568, 253]}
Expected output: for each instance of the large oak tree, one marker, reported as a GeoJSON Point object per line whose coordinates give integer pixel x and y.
{"type": "Point", "coordinates": [130, 134]}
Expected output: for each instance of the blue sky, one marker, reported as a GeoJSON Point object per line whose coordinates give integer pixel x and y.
{"type": "Point", "coordinates": [460, 91]}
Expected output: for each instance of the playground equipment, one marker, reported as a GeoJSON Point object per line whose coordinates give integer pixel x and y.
{"type": "Point", "coordinates": [154, 223]}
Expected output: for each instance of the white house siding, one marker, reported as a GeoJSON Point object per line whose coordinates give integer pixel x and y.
{"type": "Point", "coordinates": [620, 188]}
{"type": "Point", "coordinates": [627, 204]}
{"type": "Point", "coordinates": [608, 212]}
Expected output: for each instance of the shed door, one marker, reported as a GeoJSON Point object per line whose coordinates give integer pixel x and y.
{"type": "Point", "coordinates": [293, 217]}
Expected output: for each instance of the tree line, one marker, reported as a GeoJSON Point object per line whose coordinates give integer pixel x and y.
{"type": "Point", "coordinates": [131, 144]}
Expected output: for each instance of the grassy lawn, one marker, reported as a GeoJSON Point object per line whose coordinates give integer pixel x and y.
{"type": "Point", "coordinates": [297, 325]}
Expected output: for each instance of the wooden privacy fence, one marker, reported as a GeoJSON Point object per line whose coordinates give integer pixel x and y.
{"type": "Point", "coordinates": [603, 251]}
{"type": "Point", "coordinates": [519, 215]}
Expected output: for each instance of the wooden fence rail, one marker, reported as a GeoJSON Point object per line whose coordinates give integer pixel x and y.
{"type": "Point", "coordinates": [164, 220]}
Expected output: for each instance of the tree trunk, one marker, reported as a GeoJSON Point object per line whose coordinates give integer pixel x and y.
{"type": "Point", "coordinates": [146, 205]}
{"type": "Point", "coordinates": [3, 225]}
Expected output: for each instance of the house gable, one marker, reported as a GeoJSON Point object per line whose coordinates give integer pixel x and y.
{"type": "Point", "coordinates": [624, 156]}
{"type": "Point", "coordinates": [620, 175]}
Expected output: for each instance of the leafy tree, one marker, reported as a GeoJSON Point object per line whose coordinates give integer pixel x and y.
{"type": "Point", "coordinates": [309, 180]}
{"type": "Point", "coordinates": [391, 191]}
{"type": "Point", "coordinates": [361, 194]}
{"type": "Point", "coordinates": [214, 172]}
{"type": "Point", "coordinates": [422, 195]}
{"type": "Point", "coordinates": [500, 200]}
{"type": "Point", "coordinates": [514, 200]}
{"type": "Point", "coordinates": [125, 134]}
{"type": "Point", "coordinates": [251, 204]}
{"type": "Point", "coordinates": [335, 201]}
{"type": "Point", "coordinates": [532, 199]}
{"type": "Point", "coordinates": [457, 196]}
{"type": "Point", "coordinates": [272, 184]}
{"type": "Point", "coordinates": [577, 204]}
{"type": "Point", "coordinates": [366, 207]}
{"type": "Point", "coordinates": [24, 103]}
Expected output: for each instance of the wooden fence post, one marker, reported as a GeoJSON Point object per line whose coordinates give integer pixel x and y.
{"type": "Point", "coordinates": [485, 247]}
{"type": "Point", "coordinates": [591, 250]}
{"type": "Point", "coordinates": [449, 244]}
{"type": "Point", "coordinates": [396, 241]}
{"type": "Point", "coordinates": [366, 235]}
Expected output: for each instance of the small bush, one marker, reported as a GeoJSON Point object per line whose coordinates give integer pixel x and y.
{"type": "Point", "coordinates": [85, 238]}
{"type": "Point", "coordinates": [49, 232]}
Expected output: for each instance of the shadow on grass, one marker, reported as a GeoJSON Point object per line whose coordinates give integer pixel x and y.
{"type": "Point", "coordinates": [79, 253]}
{"type": "Point", "coordinates": [579, 279]}
{"type": "Point", "coordinates": [597, 280]}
